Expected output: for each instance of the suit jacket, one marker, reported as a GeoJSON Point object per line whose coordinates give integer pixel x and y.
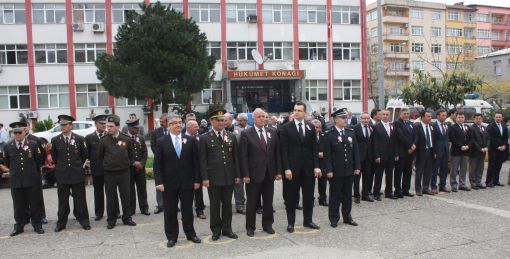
{"type": "Point", "coordinates": [156, 134]}
{"type": "Point", "coordinates": [256, 161]}
{"type": "Point", "coordinates": [24, 164]}
{"type": "Point", "coordinates": [459, 137]}
{"type": "Point", "coordinates": [342, 156]}
{"type": "Point", "coordinates": [383, 145]}
{"type": "Point", "coordinates": [404, 133]}
{"type": "Point", "coordinates": [139, 149]}
{"type": "Point", "coordinates": [322, 143]}
{"type": "Point", "coordinates": [364, 143]}
{"type": "Point", "coordinates": [496, 139]}
{"type": "Point", "coordinates": [92, 141]}
{"type": "Point", "coordinates": [219, 160]}
{"type": "Point", "coordinates": [420, 140]}
{"type": "Point", "coordinates": [299, 153]}
{"type": "Point", "coordinates": [441, 139]}
{"type": "Point", "coordinates": [40, 145]}
{"type": "Point", "coordinates": [354, 121]}
{"type": "Point", "coordinates": [176, 172]}
{"type": "Point", "coordinates": [69, 158]}
{"type": "Point", "coordinates": [479, 139]}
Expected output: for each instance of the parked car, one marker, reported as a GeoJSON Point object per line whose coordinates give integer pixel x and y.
{"type": "Point", "coordinates": [82, 128]}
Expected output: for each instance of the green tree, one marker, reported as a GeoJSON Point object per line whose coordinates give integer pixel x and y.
{"type": "Point", "coordinates": [422, 90]}
{"type": "Point", "coordinates": [159, 55]}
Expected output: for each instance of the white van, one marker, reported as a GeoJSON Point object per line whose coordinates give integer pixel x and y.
{"type": "Point", "coordinates": [396, 105]}
{"type": "Point", "coordinates": [471, 107]}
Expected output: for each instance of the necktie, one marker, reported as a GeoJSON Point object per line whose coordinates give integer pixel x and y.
{"type": "Point", "coordinates": [500, 129]}
{"type": "Point", "coordinates": [67, 140]}
{"type": "Point", "coordinates": [427, 135]}
{"type": "Point", "coordinates": [301, 134]}
{"type": "Point", "coordinates": [177, 146]}
{"type": "Point", "coordinates": [219, 137]}
{"type": "Point", "coordinates": [165, 132]}
{"type": "Point", "coordinates": [100, 135]}
{"type": "Point", "coordinates": [20, 145]}
{"type": "Point", "coordinates": [262, 140]}
{"type": "Point", "coordinates": [443, 129]}
{"type": "Point", "coordinates": [133, 138]}
{"type": "Point", "coordinates": [342, 133]}
{"type": "Point", "coordinates": [387, 127]}
{"type": "Point", "coordinates": [367, 135]}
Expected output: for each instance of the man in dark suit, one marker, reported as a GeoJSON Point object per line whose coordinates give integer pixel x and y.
{"type": "Point", "coordinates": [192, 130]}
{"type": "Point", "coordinates": [425, 154]}
{"type": "Point", "coordinates": [22, 158]}
{"type": "Point", "coordinates": [323, 180]}
{"type": "Point", "coordinates": [351, 119]}
{"type": "Point", "coordinates": [156, 134]}
{"type": "Point", "coordinates": [69, 152]}
{"type": "Point", "coordinates": [364, 136]}
{"type": "Point", "coordinates": [260, 166]}
{"type": "Point", "coordinates": [375, 116]}
{"type": "Point", "coordinates": [176, 172]}
{"type": "Point", "coordinates": [41, 145]}
{"type": "Point", "coordinates": [441, 147]}
{"type": "Point", "coordinates": [300, 162]}
{"type": "Point", "coordinates": [342, 163]}
{"type": "Point", "coordinates": [477, 151]}
{"type": "Point", "coordinates": [459, 136]}
{"type": "Point", "coordinates": [498, 147]}
{"type": "Point", "coordinates": [219, 168]}
{"type": "Point", "coordinates": [405, 147]}
{"type": "Point", "coordinates": [384, 156]}
{"type": "Point", "coordinates": [137, 171]}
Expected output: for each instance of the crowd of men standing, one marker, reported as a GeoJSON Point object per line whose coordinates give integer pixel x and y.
{"type": "Point", "coordinates": [244, 162]}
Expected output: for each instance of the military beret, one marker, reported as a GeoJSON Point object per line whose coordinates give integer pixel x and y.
{"type": "Point", "coordinates": [100, 118]}
{"type": "Point", "coordinates": [217, 114]}
{"type": "Point", "coordinates": [113, 118]}
{"type": "Point", "coordinates": [133, 123]}
{"type": "Point", "coordinates": [342, 112]}
{"type": "Point", "coordinates": [18, 126]}
{"type": "Point", "coordinates": [65, 119]}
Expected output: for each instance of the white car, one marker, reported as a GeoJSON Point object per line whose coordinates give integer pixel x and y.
{"type": "Point", "coordinates": [82, 128]}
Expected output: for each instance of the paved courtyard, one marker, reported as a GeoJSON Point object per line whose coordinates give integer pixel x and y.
{"type": "Point", "coordinates": [471, 224]}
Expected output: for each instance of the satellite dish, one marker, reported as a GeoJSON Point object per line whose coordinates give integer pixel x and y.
{"type": "Point", "coordinates": [257, 57]}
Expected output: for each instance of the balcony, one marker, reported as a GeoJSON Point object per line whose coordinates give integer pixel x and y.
{"type": "Point", "coordinates": [500, 26]}
{"type": "Point", "coordinates": [402, 54]}
{"type": "Point", "coordinates": [395, 19]}
{"type": "Point", "coordinates": [500, 43]}
{"type": "Point", "coordinates": [396, 36]}
{"type": "Point", "coordinates": [402, 72]}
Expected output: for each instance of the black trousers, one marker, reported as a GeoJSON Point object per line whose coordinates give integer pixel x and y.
{"type": "Point", "coordinates": [384, 168]}
{"type": "Point", "coordinates": [199, 200]}
{"type": "Point", "coordinates": [80, 210]}
{"type": "Point", "coordinates": [253, 193]}
{"type": "Point", "coordinates": [340, 192]}
{"type": "Point", "coordinates": [496, 159]}
{"type": "Point", "coordinates": [138, 179]}
{"type": "Point", "coordinates": [98, 183]}
{"type": "Point", "coordinates": [171, 199]}
{"type": "Point", "coordinates": [221, 208]}
{"type": "Point", "coordinates": [291, 192]}
{"type": "Point", "coordinates": [42, 207]}
{"type": "Point", "coordinates": [23, 200]}
{"type": "Point", "coordinates": [366, 178]}
{"type": "Point", "coordinates": [403, 174]}
{"type": "Point", "coordinates": [322, 183]}
{"type": "Point", "coordinates": [120, 180]}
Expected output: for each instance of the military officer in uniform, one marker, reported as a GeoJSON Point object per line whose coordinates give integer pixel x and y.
{"type": "Point", "coordinates": [116, 156]}
{"type": "Point", "coordinates": [218, 156]}
{"type": "Point", "coordinates": [22, 158]}
{"type": "Point", "coordinates": [41, 146]}
{"type": "Point", "coordinates": [69, 152]}
{"type": "Point", "coordinates": [342, 163]}
{"type": "Point", "coordinates": [138, 170]}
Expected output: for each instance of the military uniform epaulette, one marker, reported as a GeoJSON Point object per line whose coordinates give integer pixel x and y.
{"type": "Point", "coordinates": [329, 130]}
{"type": "Point", "coordinates": [349, 129]}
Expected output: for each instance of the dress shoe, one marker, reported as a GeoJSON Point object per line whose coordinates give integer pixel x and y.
{"type": "Point", "coordinates": [171, 243]}
{"type": "Point", "coordinates": [158, 210]}
{"type": "Point", "coordinates": [201, 215]}
{"type": "Point", "coordinates": [350, 222]}
{"type": "Point", "coordinates": [323, 203]}
{"type": "Point", "coordinates": [290, 228]}
{"type": "Point", "coordinates": [215, 237]}
{"type": "Point", "coordinates": [474, 187]}
{"type": "Point", "coordinates": [44, 221]}
{"type": "Point", "coordinates": [499, 184]}
{"type": "Point", "coordinates": [230, 235]}
{"type": "Point", "coordinates": [481, 186]}
{"type": "Point", "coordinates": [357, 200]}
{"type": "Point", "coordinates": [195, 239]}
{"type": "Point", "coordinates": [250, 232]}
{"type": "Point", "coordinates": [129, 222]}
{"type": "Point", "coordinates": [399, 196]}
{"type": "Point", "coordinates": [390, 196]}
{"type": "Point", "coordinates": [367, 198]}
{"type": "Point", "coordinates": [434, 191]}
{"type": "Point", "coordinates": [444, 189]}
{"type": "Point", "coordinates": [333, 224]}
{"type": "Point", "coordinates": [110, 225]}
{"type": "Point", "coordinates": [60, 228]}
{"type": "Point", "coordinates": [146, 213]}
{"type": "Point", "coordinates": [98, 218]}
{"type": "Point", "coordinates": [454, 189]}
{"type": "Point", "coordinates": [464, 188]}
{"type": "Point", "coordinates": [490, 185]}
{"type": "Point", "coordinates": [86, 227]}
{"type": "Point", "coordinates": [259, 211]}
{"type": "Point", "coordinates": [298, 207]}
{"type": "Point", "coordinates": [378, 198]}
{"type": "Point", "coordinates": [241, 211]}
{"type": "Point", "coordinates": [311, 225]}
{"type": "Point", "coordinates": [39, 230]}
{"type": "Point", "coordinates": [16, 232]}
{"type": "Point", "coordinates": [269, 230]}
{"type": "Point", "coordinates": [418, 194]}
{"type": "Point", "coordinates": [428, 193]}
{"type": "Point", "coordinates": [408, 194]}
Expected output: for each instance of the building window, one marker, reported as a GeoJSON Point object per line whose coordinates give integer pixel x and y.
{"type": "Point", "coordinates": [50, 53]}
{"type": "Point", "coordinates": [397, 30]}
{"type": "Point", "coordinates": [13, 54]}
{"type": "Point", "coordinates": [205, 12]}
{"type": "Point", "coordinates": [88, 13]}
{"type": "Point", "coordinates": [436, 15]}
{"type": "Point", "coordinates": [175, 6]}
{"type": "Point", "coordinates": [120, 11]}
{"type": "Point", "coordinates": [345, 15]}
{"type": "Point", "coordinates": [469, 33]}
{"type": "Point", "coordinates": [417, 30]}
{"type": "Point", "coordinates": [52, 96]}
{"type": "Point", "coordinates": [12, 14]}
{"type": "Point", "coordinates": [453, 65]}
{"type": "Point", "coordinates": [497, 20]}
{"type": "Point", "coordinates": [312, 51]}
{"type": "Point", "coordinates": [484, 34]}
{"type": "Point", "coordinates": [214, 49]}
{"type": "Point", "coordinates": [346, 51]}
{"type": "Point", "coordinates": [483, 17]}
{"type": "Point", "coordinates": [212, 95]}
{"type": "Point", "coordinates": [436, 48]}
{"type": "Point", "coordinates": [278, 50]}
{"type": "Point", "coordinates": [495, 35]}
{"type": "Point", "coordinates": [508, 35]}
{"type": "Point", "coordinates": [126, 102]}
{"type": "Point", "coordinates": [347, 90]}
{"type": "Point", "coordinates": [498, 69]}
{"type": "Point", "coordinates": [91, 95]}
{"type": "Point", "coordinates": [417, 47]}
{"type": "Point", "coordinates": [454, 32]}
{"type": "Point", "coordinates": [418, 64]}
{"type": "Point", "coordinates": [438, 65]}
{"type": "Point", "coordinates": [396, 48]}
{"type": "Point", "coordinates": [49, 13]}
{"type": "Point", "coordinates": [316, 90]}
{"type": "Point", "coordinates": [436, 31]}
{"type": "Point", "coordinates": [453, 16]}
{"type": "Point", "coordinates": [88, 52]}
{"type": "Point", "coordinates": [397, 66]}
{"type": "Point", "coordinates": [469, 17]}
{"type": "Point", "coordinates": [454, 49]}
{"type": "Point", "coordinates": [312, 14]}
{"type": "Point", "coordinates": [14, 97]}
{"type": "Point", "coordinates": [277, 13]}
{"type": "Point", "coordinates": [483, 50]}
{"type": "Point", "coordinates": [417, 13]}
{"type": "Point", "coordinates": [240, 50]}
{"type": "Point", "coordinates": [240, 12]}
{"type": "Point", "coordinates": [372, 15]}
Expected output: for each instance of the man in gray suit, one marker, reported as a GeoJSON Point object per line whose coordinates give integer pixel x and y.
{"type": "Point", "coordinates": [478, 149]}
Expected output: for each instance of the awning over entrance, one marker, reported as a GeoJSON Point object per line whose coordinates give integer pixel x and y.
{"type": "Point", "coordinates": [265, 74]}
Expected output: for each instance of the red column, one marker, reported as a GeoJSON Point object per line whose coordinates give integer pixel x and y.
{"type": "Point", "coordinates": [260, 32]}
{"type": "Point", "coordinates": [295, 30]}
{"type": "Point", "coordinates": [185, 8]}
{"type": "Point", "coordinates": [364, 56]}
{"type": "Point", "coordinates": [109, 43]}
{"type": "Point", "coordinates": [223, 20]}
{"type": "Point", "coordinates": [70, 57]}
{"type": "Point", "coordinates": [331, 77]}
{"type": "Point", "coordinates": [150, 118]}
{"type": "Point", "coordinates": [30, 48]}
